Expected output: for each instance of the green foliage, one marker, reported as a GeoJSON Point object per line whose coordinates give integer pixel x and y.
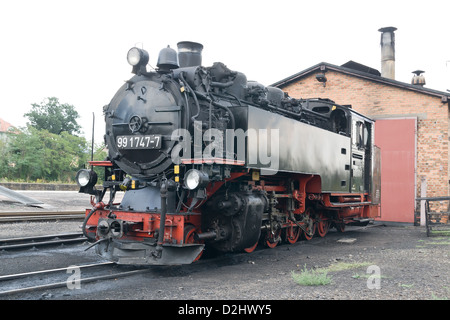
{"type": "Point", "coordinates": [341, 266]}
{"type": "Point", "coordinates": [48, 149]}
{"type": "Point", "coordinates": [54, 117]}
{"type": "Point", "coordinates": [311, 277]}
{"type": "Point", "coordinates": [100, 154]}
{"type": "Point", "coordinates": [38, 154]}
{"type": "Point", "coordinates": [3, 157]}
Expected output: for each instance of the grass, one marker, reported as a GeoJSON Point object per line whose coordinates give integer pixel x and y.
{"type": "Point", "coordinates": [439, 237]}
{"type": "Point", "coordinates": [443, 233]}
{"type": "Point", "coordinates": [434, 297]}
{"type": "Point", "coordinates": [368, 275]}
{"type": "Point", "coordinates": [319, 276]}
{"type": "Point", "coordinates": [341, 266]}
{"type": "Point", "coordinates": [439, 240]}
{"type": "Point", "coordinates": [311, 277]}
{"type": "Point", "coordinates": [440, 243]}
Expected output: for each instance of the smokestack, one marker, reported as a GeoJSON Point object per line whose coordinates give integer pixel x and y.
{"type": "Point", "coordinates": [189, 54]}
{"type": "Point", "coordinates": [388, 52]}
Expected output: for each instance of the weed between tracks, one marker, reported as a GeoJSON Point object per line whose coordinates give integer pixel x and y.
{"type": "Point", "coordinates": [311, 277]}
{"type": "Point", "coordinates": [319, 276]}
{"type": "Point", "coordinates": [439, 238]}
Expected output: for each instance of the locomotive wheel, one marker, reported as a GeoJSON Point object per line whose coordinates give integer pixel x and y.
{"type": "Point", "coordinates": [252, 248]}
{"type": "Point", "coordinates": [322, 225]}
{"type": "Point", "coordinates": [189, 231]}
{"type": "Point", "coordinates": [310, 224]}
{"type": "Point", "coordinates": [340, 227]}
{"type": "Point", "coordinates": [271, 240]}
{"type": "Point", "coordinates": [292, 234]}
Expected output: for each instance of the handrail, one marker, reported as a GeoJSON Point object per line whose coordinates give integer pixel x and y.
{"type": "Point", "coordinates": [428, 223]}
{"type": "Point", "coordinates": [433, 198]}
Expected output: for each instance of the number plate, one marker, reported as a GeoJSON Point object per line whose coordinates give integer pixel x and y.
{"type": "Point", "coordinates": [152, 141]}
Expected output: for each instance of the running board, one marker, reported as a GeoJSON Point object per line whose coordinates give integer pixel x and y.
{"type": "Point", "coordinates": [362, 220]}
{"type": "Point", "coordinates": [350, 204]}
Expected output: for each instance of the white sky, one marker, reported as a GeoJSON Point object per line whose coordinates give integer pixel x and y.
{"type": "Point", "coordinates": [76, 50]}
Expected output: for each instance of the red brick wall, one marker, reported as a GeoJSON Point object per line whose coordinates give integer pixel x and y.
{"type": "Point", "coordinates": [386, 101]}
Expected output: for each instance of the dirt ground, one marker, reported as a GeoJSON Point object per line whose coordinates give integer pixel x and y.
{"type": "Point", "coordinates": [373, 263]}
{"type": "Point", "coordinates": [378, 262]}
{"type": "Point", "coordinates": [410, 266]}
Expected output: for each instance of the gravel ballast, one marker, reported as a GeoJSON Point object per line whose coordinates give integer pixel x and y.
{"type": "Point", "coordinates": [378, 262]}
{"type": "Point", "coordinates": [407, 265]}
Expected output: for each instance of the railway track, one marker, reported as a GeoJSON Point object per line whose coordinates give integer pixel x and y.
{"type": "Point", "coordinates": [40, 241]}
{"type": "Point", "coordinates": [42, 280]}
{"type": "Point", "coordinates": [59, 278]}
{"type": "Point", "coordinates": [40, 215]}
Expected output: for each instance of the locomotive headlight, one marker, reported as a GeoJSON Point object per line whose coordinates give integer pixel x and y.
{"type": "Point", "coordinates": [137, 57]}
{"type": "Point", "coordinates": [86, 178]}
{"type": "Point", "coordinates": [194, 179]}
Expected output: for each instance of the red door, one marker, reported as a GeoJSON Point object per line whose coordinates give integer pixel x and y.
{"type": "Point", "coordinates": [397, 141]}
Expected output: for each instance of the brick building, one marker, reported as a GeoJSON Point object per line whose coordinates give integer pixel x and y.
{"type": "Point", "coordinates": [412, 125]}
{"type": "Point", "coordinates": [5, 129]}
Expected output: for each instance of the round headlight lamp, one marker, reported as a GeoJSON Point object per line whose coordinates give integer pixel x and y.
{"type": "Point", "coordinates": [86, 178]}
{"type": "Point", "coordinates": [137, 56]}
{"type": "Point", "coordinates": [194, 179]}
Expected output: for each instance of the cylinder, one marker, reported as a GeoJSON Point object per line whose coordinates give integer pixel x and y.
{"type": "Point", "coordinates": [189, 54]}
{"type": "Point", "coordinates": [211, 235]}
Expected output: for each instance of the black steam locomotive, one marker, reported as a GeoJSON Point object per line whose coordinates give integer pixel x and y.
{"type": "Point", "coordinates": [207, 158]}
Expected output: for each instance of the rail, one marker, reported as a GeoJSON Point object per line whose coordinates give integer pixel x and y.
{"type": "Point", "coordinates": [26, 278]}
{"type": "Point", "coordinates": [40, 241]}
{"type": "Point", "coordinates": [436, 222]}
{"type": "Point", "coordinates": [41, 215]}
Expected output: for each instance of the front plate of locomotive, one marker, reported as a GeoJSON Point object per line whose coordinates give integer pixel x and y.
{"type": "Point", "coordinates": [140, 120]}
{"type": "Point", "coordinates": [139, 253]}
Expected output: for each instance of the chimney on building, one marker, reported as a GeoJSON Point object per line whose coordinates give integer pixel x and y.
{"type": "Point", "coordinates": [388, 52]}
{"type": "Point", "coordinates": [418, 79]}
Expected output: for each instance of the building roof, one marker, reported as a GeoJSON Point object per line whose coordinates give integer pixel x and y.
{"type": "Point", "coordinates": [360, 67]}
{"type": "Point", "coordinates": [4, 126]}
{"type": "Point", "coordinates": [361, 71]}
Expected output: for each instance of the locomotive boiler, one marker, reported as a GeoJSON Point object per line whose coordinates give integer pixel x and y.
{"type": "Point", "coordinates": [209, 159]}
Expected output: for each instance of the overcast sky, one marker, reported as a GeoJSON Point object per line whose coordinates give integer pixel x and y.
{"type": "Point", "coordinates": [76, 50]}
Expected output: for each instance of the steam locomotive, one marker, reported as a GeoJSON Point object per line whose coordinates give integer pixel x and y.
{"type": "Point", "coordinates": [208, 159]}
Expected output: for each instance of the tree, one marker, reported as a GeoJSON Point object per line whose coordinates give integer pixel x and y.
{"type": "Point", "coordinates": [38, 154]}
{"type": "Point", "coordinates": [25, 157]}
{"type": "Point", "coordinates": [100, 154]}
{"type": "Point", "coordinates": [54, 117]}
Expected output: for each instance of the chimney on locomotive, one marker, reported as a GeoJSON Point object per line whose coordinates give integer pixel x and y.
{"type": "Point", "coordinates": [388, 52]}
{"type": "Point", "coordinates": [189, 54]}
